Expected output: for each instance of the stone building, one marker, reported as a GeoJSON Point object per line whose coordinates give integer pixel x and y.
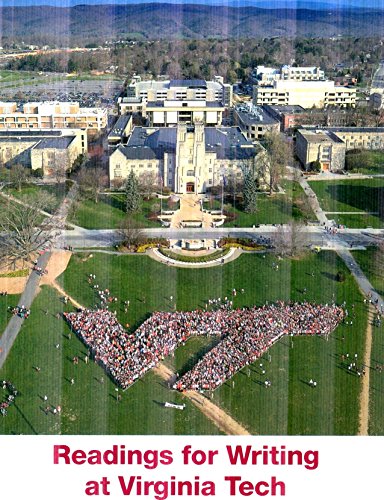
{"type": "Point", "coordinates": [186, 158]}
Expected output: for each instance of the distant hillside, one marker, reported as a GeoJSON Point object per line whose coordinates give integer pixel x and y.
{"type": "Point", "coordinates": [82, 23]}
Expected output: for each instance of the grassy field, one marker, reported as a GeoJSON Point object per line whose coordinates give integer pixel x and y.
{"type": "Point", "coordinates": [359, 195]}
{"type": "Point", "coordinates": [277, 209]}
{"type": "Point", "coordinates": [290, 406]}
{"type": "Point", "coordinates": [57, 190]}
{"type": "Point", "coordinates": [366, 162]}
{"type": "Point", "coordinates": [109, 213]}
{"type": "Point", "coordinates": [371, 262]}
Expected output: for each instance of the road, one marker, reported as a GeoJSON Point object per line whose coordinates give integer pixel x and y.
{"type": "Point", "coordinates": [316, 235]}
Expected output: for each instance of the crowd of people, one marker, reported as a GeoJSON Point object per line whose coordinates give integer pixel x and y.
{"type": "Point", "coordinates": [21, 311]}
{"type": "Point", "coordinates": [245, 333]}
{"type": "Point", "coordinates": [10, 397]}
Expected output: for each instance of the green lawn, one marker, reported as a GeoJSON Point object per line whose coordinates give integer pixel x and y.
{"type": "Point", "coordinates": [276, 209]}
{"type": "Point", "coordinates": [109, 212]}
{"type": "Point", "coordinates": [365, 162]}
{"type": "Point", "coordinates": [57, 190]}
{"type": "Point", "coordinates": [359, 195]}
{"type": "Point", "coordinates": [371, 262]}
{"type": "Point", "coordinates": [290, 406]}
{"type": "Point", "coordinates": [88, 406]}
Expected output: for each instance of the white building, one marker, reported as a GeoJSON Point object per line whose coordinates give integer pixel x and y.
{"type": "Point", "coordinates": [51, 115]}
{"type": "Point", "coordinates": [143, 96]}
{"type": "Point", "coordinates": [266, 75]}
{"type": "Point", "coordinates": [186, 158]}
{"type": "Point", "coordinates": [307, 94]}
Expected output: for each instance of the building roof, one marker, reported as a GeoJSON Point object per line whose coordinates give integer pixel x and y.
{"type": "Point", "coordinates": [120, 126]}
{"type": "Point", "coordinates": [179, 104]}
{"type": "Point", "coordinates": [29, 133]}
{"type": "Point", "coordinates": [319, 135]}
{"type": "Point", "coordinates": [148, 143]}
{"type": "Point", "coordinates": [289, 108]}
{"type": "Point", "coordinates": [54, 143]}
{"type": "Point", "coordinates": [190, 84]}
{"type": "Point", "coordinates": [255, 115]}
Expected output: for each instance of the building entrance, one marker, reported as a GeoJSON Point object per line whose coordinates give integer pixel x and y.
{"type": "Point", "coordinates": [190, 187]}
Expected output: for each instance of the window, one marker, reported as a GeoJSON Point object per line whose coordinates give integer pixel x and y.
{"type": "Point", "coordinates": [149, 165]}
{"type": "Point", "coordinates": [190, 172]}
{"type": "Point", "coordinates": [141, 165]}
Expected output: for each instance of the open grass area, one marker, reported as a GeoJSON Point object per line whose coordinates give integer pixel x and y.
{"type": "Point", "coordinates": [89, 406]}
{"type": "Point", "coordinates": [358, 195]}
{"type": "Point", "coordinates": [57, 190]}
{"type": "Point", "coordinates": [371, 262]}
{"type": "Point", "coordinates": [277, 209]}
{"type": "Point", "coordinates": [109, 213]}
{"type": "Point", "coordinates": [365, 162]}
{"type": "Point", "coordinates": [289, 406]}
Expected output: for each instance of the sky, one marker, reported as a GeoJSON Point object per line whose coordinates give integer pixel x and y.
{"type": "Point", "coordinates": [314, 4]}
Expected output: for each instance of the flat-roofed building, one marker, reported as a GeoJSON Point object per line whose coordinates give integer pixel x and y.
{"type": "Point", "coordinates": [288, 116]}
{"type": "Point", "coordinates": [42, 149]}
{"type": "Point", "coordinates": [51, 115]}
{"type": "Point", "coordinates": [307, 94]}
{"type": "Point", "coordinates": [266, 75]}
{"type": "Point", "coordinates": [186, 158]}
{"type": "Point", "coordinates": [141, 95]}
{"type": "Point", "coordinates": [254, 121]}
{"type": "Point", "coordinates": [170, 113]}
{"type": "Point", "coordinates": [314, 145]}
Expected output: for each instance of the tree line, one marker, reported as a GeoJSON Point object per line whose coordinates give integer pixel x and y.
{"type": "Point", "coordinates": [233, 58]}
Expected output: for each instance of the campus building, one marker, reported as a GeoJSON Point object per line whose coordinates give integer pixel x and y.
{"type": "Point", "coordinates": [42, 149]}
{"type": "Point", "coordinates": [329, 146]}
{"type": "Point", "coordinates": [266, 76]}
{"type": "Point", "coordinates": [52, 115]}
{"type": "Point", "coordinates": [307, 94]}
{"type": "Point", "coordinates": [186, 158]}
{"type": "Point", "coordinates": [254, 122]}
{"type": "Point", "coordinates": [165, 103]}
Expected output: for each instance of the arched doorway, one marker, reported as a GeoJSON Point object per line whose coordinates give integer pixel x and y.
{"type": "Point", "coordinates": [190, 187]}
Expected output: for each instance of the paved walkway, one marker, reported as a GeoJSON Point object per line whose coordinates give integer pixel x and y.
{"type": "Point", "coordinates": [314, 202]}
{"type": "Point", "coordinates": [12, 329]}
{"type": "Point", "coordinates": [233, 254]}
{"type": "Point", "coordinates": [190, 210]}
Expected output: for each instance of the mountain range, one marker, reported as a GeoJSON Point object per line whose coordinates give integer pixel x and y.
{"type": "Point", "coordinates": [82, 23]}
{"type": "Point", "coordinates": [265, 4]}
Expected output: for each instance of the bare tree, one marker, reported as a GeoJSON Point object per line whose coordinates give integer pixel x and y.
{"type": "Point", "coordinates": [290, 239]}
{"type": "Point", "coordinates": [278, 154]}
{"type": "Point", "coordinates": [60, 169]}
{"type": "Point", "coordinates": [131, 232]}
{"type": "Point", "coordinates": [24, 230]}
{"type": "Point", "coordinates": [18, 175]}
{"type": "Point", "coordinates": [92, 181]}
{"type": "Point", "coordinates": [147, 184]}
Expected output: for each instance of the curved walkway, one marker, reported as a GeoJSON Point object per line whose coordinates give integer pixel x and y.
{"type": "Point", "coordinates": [233, 254]}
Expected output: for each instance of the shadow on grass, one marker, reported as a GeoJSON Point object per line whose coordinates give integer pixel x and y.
{"type": "Point", "coordinates": [192, 360]}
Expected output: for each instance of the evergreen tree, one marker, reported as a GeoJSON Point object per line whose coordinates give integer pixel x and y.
{"type": "Point", "coordinates": [133, 198]}
{"type": "Point", "coordinates": [250, 192]}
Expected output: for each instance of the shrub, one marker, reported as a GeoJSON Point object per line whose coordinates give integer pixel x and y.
{"type": "Point", "coordinates": [340, 276]}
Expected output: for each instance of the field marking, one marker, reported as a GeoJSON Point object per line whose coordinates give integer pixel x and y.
{"type": "Point", "coordinates": [55, 285]}
{"type": "Point", "coordinates": [364, 395]}
{"type": "Point", "coordinates": [218, 416]}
